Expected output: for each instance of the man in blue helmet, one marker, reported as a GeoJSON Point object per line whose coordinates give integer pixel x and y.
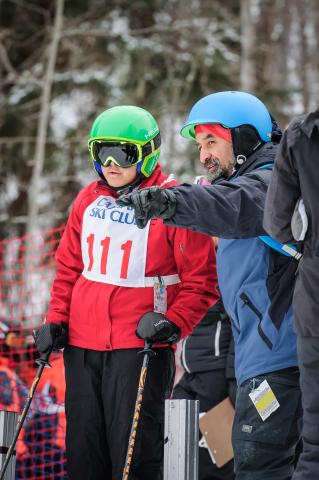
{"type": "Point", "coordinates": [237, 142]}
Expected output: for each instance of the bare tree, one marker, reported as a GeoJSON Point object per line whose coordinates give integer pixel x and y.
{"type": "Point", "coordinates": [316, 57]}
{"type": "Point", "coordinates": [278, 71]}
{"type": "Point", "coordinates": [310, 52]}
{"type": "Point", "coordinates": [33, 205]}
{"type": "Point", "coordinates": [268, 17]}
{"type": "Point", "coordinates": [304, 64]}
{"type": "Point", "coordinates": [248, 39]}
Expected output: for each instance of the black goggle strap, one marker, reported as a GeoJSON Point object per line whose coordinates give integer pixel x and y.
{"type": "Point", "coordinates": [151, 146]}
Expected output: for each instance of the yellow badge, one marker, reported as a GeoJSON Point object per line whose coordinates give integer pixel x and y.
{"type": "Point", "coordinates": [264, 400]}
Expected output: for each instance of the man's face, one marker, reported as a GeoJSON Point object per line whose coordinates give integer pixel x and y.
{"type": "Point", "coordinates": [216, 155]}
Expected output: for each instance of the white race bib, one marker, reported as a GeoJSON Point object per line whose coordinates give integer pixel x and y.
{"type": "Point", "coordinates": [113, 247]}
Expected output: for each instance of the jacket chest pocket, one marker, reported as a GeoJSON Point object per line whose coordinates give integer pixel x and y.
{"type": "Point", "coordinates": [249, 304]}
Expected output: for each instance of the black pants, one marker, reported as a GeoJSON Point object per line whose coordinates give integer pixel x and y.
{"type": "Point", "coordinates": [308, 355]}
{"type": "Point", "coordinates": [210, 388]}
{"type": "Point", "coordinates": [101, 390]}
{"type": "Point", "coordinates": [265, 450]}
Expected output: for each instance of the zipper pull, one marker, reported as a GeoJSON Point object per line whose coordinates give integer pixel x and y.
{"type": "Point", "coordinates": [245, 299]}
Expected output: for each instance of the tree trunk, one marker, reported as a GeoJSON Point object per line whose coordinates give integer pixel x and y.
{"type": "Point", "coordinates": [248, 38]}
{"type": "Point", "coordinates": [302, 14]}
{"type": "Point", "coordinates": [33, 203]}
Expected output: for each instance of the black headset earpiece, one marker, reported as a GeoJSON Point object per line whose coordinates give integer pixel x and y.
{"type": "Point", "coordinates": [246, 141]}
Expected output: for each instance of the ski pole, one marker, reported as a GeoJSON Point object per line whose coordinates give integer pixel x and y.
{"type": "Point", "coordinates": [148, 353]}
{"type": "Point", "coordinates": [43, 361]}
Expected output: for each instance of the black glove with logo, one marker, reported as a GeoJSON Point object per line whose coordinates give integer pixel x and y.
{"type": "Point", "coordinates": [153, 202]}
{"type": "Point", "coordinates": [50, 336]}
{"type": "Point", "coordinates": [156, 328]}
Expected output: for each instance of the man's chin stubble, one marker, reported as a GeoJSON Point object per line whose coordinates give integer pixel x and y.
{"type": "Point", "coordinates": [215, 174]}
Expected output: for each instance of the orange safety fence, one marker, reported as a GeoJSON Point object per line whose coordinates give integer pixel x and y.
{"type": "Point", "coordinates": [27, 268]}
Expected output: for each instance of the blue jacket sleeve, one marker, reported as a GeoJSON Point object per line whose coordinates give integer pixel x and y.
{"type": "Point", "coordinates": [229, 209]}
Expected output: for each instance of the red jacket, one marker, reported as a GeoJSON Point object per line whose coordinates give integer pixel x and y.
{"type": "Point", "coordinates": [103, 316]}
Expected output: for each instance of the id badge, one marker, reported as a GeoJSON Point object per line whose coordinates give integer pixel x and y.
{"type": "Point", "coordinates": [264, 400]}
{"type": "Point", "coordinates": [160, 297]}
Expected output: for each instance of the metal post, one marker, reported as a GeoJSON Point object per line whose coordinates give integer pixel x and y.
{"type": "Point", "coordinates": [8, 422]}
{"type": "Point", "coordinates": [181, 440]}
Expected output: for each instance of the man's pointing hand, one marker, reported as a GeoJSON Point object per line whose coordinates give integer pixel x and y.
{"type": "Point", "coordinates": [153, 202]}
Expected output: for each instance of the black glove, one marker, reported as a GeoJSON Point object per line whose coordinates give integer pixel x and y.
{"type": "Point", "coordinates": [50, 336]}
{"type": "Point", "coordinates": [149, 203]}
{"type": "Point", "coordinates": [156, 328]}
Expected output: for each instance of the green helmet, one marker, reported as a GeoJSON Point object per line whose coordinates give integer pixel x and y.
{"type": "Point", "coordinates": [129, 124]}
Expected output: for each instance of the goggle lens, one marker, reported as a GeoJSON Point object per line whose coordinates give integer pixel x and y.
{"type": "Point", "coordinates": [124, 155]}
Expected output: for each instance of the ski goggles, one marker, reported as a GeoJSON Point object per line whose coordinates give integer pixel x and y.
{"type": "Point", "coordinates": [123, 154]}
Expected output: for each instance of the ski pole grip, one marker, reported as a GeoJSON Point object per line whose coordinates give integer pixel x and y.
{"type": "Point", "coordinates": [148, 344]}
{"type": "Point", "coordinates": [44, 359]}
{"type": "Point", "coordinates": [147, 349]}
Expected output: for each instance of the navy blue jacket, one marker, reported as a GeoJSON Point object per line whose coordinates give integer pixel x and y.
{"type": "Point", "coordinates": [255, 281]}
{"type": "Point", "coordinates": [208, 346]}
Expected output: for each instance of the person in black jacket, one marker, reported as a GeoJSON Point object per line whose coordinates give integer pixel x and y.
{"type": "Point", "coordinates": [296, 177]}
{"type": "Point", "coordinates": [208, 377]}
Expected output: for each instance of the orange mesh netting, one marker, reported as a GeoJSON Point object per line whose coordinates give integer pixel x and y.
{"type": "Point", "coordinates": [27, 269]}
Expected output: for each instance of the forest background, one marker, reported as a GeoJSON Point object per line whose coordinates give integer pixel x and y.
{"type": "Point", "coordinates": [62, 62]}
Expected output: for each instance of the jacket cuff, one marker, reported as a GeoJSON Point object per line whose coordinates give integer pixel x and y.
{"type": "Point", "coordinates": [52, 317]}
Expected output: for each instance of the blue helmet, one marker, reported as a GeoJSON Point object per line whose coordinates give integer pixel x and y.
{"type": "Point", "coordinates": [232, 110]}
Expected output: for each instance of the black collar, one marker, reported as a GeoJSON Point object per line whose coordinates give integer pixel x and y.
{"type": "Point", "coordinates": [265, 155]}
